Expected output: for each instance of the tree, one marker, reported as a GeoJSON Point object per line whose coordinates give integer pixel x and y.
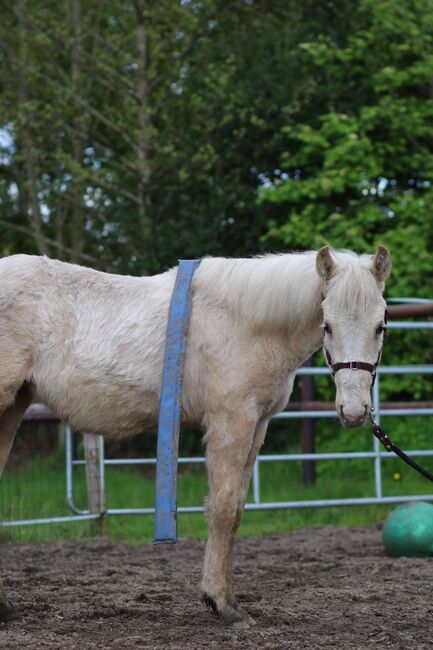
{"type": "Point", "coordinates": [360, 170]}
{"type": "Point", "coordinates": [139, 131]}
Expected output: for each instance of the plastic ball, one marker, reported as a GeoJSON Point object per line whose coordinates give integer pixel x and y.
{"type": "Point", "coordinates": [408, 531]}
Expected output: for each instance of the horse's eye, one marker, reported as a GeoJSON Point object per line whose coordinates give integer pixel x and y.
{"type": "Point", "coordinates": [326, 328]}
{"type": "Point", "coordinates": [380, 329]}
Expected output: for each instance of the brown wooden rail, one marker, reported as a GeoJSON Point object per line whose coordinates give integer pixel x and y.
{"type": "Point", "coordinates": [410, 311]}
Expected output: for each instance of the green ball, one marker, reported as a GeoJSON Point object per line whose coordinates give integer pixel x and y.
{"type": "Point", "coordinates": [408, 531]}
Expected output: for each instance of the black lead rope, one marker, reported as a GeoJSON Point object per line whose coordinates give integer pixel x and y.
{"type": "Point", "coordinates": [390, 446]}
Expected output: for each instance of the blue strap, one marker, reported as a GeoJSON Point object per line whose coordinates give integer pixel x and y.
{"type": "Point", "coordinates": [170, 405]}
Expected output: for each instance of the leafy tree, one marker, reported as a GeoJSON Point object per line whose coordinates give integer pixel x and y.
{"type": "Point", "coordinates": [360, 170]}
{"type": "Point", "coordinates": [140, 130]}
{"type": "Point", "coordinates": [357, 166]}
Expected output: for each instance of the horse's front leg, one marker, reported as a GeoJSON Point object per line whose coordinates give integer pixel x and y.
{"type": "Point", "coordinates": [257, 442]}
{"type": "Point", "coordinates": [229, 441]}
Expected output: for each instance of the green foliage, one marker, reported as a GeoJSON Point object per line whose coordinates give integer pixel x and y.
{"type": "Point", "coordinates": [357, 167]}
{"type": "Point", "coordinates": [360, 170]}
{"type": "Point", "coordinates": [139, 131]}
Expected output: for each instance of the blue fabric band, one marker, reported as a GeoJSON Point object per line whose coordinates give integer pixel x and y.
{"type": "Point", "coordinates": [170, 405]}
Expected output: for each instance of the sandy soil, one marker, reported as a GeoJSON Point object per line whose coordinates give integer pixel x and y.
{"type": "Point", "coordinates": [315, 588]}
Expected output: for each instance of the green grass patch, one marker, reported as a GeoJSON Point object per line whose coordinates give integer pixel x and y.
{"type": "Point", "coordinates": [38, 490]}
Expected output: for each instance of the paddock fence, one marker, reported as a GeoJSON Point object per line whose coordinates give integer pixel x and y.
{"type": "Point", "coordinates": [95, 463]}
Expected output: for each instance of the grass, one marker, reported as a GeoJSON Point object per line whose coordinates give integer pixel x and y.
{"type": "Point", "coordinates": [38, 490]}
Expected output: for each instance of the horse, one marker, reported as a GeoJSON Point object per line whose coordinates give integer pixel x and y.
{"type": "Point", "coordinates": [90, 345]}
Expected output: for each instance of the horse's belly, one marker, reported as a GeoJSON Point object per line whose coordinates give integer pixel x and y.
{"type": "Point", "coordinates": [108, 407]}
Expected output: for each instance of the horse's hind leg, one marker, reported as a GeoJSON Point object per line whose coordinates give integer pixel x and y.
{"type": "Point", "coordinates": [229, 441]}
{"type": "Point", "coordinates": [9, 422]}
{"type": "Point", "coordinates": [7, 610]}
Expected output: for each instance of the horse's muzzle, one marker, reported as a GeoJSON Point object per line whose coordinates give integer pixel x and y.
{"type": "Point", "coordinates": [350, 420]}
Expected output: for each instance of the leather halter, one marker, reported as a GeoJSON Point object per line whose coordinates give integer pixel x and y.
{"type": "Point", "coordinates": [377, 429]}
{"type": "Point", "coordinates": [355, 365]}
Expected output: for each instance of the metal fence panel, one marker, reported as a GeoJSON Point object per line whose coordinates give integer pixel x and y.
{"type": "Point", "coordinates": [376, 455]}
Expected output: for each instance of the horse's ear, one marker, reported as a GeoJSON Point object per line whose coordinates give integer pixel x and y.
{"type": "Point", "coordinates": [325, 265]}
{"type": "Point", "coordinates": [381, 264]}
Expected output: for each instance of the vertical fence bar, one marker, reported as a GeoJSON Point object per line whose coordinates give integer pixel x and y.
{"type": "Point", "coordinates": [102, 469]}
{"type": "Point", "coordinates": [308, 427]}
{"type": "Point", "coordinates": [69, 466]}
{"type": "Point", "coordinates": [376, 443]}
{"type": "Point", "coordinates": [256, 482]}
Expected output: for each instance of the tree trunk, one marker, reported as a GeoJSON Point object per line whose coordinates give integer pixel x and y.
{"type": "Point", "coordinates": [77, 206]}
{"type": "Point", "coordinates": [144, 126]}
{"type": "Point", "coordinates": [31, 199]}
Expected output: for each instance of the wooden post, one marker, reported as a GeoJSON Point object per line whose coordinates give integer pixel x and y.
{"type": "Point", "coordinates": [95, 480]}
{"type": "Point", "coordinates": [308, 428]}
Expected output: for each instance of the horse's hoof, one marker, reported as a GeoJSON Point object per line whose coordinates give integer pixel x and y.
{"type": "Point", "coordinates": [8, 613]}
{"type": "Point", "coordinates": [238, 626]}
{"type": "Point", "coordinates": [236, 619]}
{"type": "Point", "coordinates": [247, 618]}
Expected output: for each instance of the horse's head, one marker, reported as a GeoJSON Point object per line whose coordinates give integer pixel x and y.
{"type": "Point", "coordinates": [354, 322]}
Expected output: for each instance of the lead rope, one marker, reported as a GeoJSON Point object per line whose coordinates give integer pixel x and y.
{"type": "Point", "coordinates": [390, 446]}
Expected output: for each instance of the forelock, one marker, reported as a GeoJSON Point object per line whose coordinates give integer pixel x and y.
{"type": "Point", "coordinates": [353, 290]}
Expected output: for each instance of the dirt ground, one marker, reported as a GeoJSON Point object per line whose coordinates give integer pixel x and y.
{"type": "Point", "coordinates": [316, 588]}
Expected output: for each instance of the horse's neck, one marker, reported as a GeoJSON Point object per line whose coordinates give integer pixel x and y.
{"type": "Point", "coordinates": [275, 293]}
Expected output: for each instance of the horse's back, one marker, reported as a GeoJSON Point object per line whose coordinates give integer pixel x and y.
{"type": "Point", "coordinates": [96, 339]}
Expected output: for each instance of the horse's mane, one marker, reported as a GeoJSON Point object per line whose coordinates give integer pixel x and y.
{"type": "Point", "coordinates": [283, 290]}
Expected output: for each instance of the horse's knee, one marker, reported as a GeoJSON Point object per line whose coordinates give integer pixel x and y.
{"type": "Point", "coordinates": [223, 506]}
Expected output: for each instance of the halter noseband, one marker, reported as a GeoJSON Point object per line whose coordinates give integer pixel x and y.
{"type": "Point", "coordinates": [355, 365]}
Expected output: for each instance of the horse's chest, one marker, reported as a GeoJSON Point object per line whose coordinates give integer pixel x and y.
{"type": "Point", "coordinates": [274, 394]}
{"type": "Point", "coordinates": [270, 380]}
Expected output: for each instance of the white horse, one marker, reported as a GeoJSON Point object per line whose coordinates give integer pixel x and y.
{"type": "Point", "coordinates": [90, 345]}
